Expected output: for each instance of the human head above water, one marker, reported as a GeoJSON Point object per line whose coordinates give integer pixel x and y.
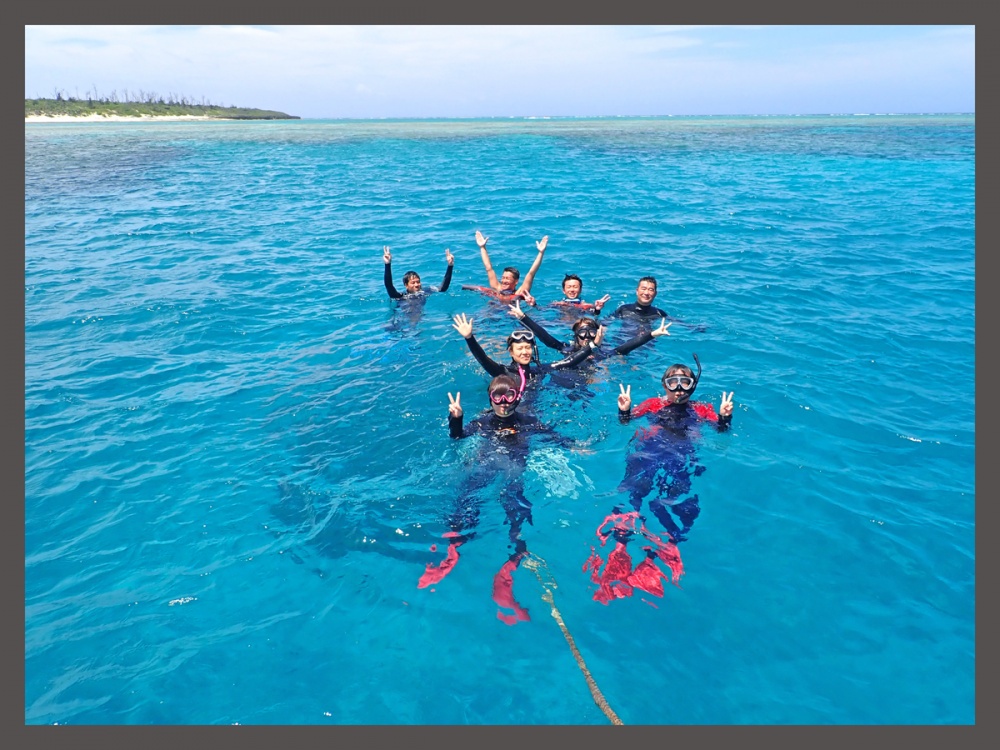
{"type": "Point", "coordinates": [509, 277]}
{"type": "Point", "coordinates": [679, 381]}
{"type": "Point", "coordinates": [586, 329]}
{"type": "Point", "coordinates": [522, 346]}
{"type": "Point", "coordinates": [411, 280]}
{"type": "Point", "coordinates": [572, 286]}
{"type": "Point", "coordinates": [645, 292]}
{"type": "Point", "coordinates": [504, 394]}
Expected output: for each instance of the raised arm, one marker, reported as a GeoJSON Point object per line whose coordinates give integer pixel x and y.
{"type": "Point", "coordinates": [455, 415]}
{"type": "Point", "coordinates": [447, 274]}
{"type": "Point", "coordinates": [463, 325]}
{"type": "Point", "coordinates": [387, 276]}
{"type": "Point", "coordinates": [529, 277]}
{"type": "Point", "coordinates": [644, 338]}
{"type": "Point", "coordinates": [624, 403]}
{"type": "Point", "coordinates": [726, 411]}
{"type": "Point", "coordinates": [490, 273]}
{"type": "Point", "coordinates": [545, 337]}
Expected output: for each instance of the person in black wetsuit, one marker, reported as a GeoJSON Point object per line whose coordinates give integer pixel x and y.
{"type": "Point", "coordinates": [524, 364]}
{"type": "Point", "coordinates": [411, 279]}
{"type": "Point", "coordinates": [507, 434]}
{"type": "Point", "coordinates": [660, 464]}
{"type": "Point", "coordinates": [586, 330]}
{"type": "Point", "coordinates": [643, 310]}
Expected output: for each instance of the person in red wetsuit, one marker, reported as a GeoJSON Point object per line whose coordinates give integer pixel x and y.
{"type": "Point", "coordinates": [506, 288]}
{"type": "Point", "coordinates": [660, 464]}
{"type": "Point", "coordinates": [507, 435]}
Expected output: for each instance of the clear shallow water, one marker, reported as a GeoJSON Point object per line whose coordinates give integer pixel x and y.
{"type": "Point", "coordinates": [236, 458]}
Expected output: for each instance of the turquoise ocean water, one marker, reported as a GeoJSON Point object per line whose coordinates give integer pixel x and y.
{"type": "Point", "coordinates": [236, 454]}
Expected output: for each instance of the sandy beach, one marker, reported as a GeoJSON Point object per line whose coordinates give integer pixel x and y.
{"type": "Point", "coordinates": [114, 118]}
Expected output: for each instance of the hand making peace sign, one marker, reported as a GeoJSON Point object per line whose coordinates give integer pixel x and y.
{"type": "Point", "coordinates": [726, 407]}
{"type": "Point", "coordinates": [515, 309]}
{"type": "Point", "coordinates": [662, 330]}
{"type": "Point", "coordinates": [625, 398]}
{"type": "Point", "coordinates": [454, 404]}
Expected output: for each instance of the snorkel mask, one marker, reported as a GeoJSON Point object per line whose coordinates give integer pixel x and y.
{"type": "Point", "coordinates": [522, 335]}
{"type": "Point", "coordinates": [586, 329]}
{"type": "Point", "coordinates": [504, 401]}
{"type": "Point", "coordinates": [680, 382]}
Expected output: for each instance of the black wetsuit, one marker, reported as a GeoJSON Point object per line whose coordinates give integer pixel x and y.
{"type": "Point", "coordinates": [395, 294]}
{"type": "Point", "coordinates": [647, 313]}
{"type": "Point", "coordinates": [576, 379]}
{"type": "Point", "coordinates": [505, 456]}
{"type": "Point", "coordinates": [662, 459]}
{"type": "Point", "coordinates": [570, 347]}
{"type": "Point", "coordinates": [524, 373]}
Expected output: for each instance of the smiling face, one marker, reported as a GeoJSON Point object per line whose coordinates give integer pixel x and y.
{"type": "Point", "coordinates": [412, 284]}
{"type": "Point", "coordinates": [508, 281]}
{"type": "Point", "coordinates": [521, 351]}
{"type": "Point", "coordinates": [645, 293]}
{"type": "Point", "coordinates": [571, 288]}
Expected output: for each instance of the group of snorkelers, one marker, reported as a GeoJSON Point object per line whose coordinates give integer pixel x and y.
{"type": "Point", "coordinates": [660, 462]}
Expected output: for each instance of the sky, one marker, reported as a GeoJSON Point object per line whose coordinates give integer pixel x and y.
{"type": "Point", "coordinates": [515, 71]}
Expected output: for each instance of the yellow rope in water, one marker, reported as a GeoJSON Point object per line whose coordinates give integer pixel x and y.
{"type": "Point", "coordinates": [532, 563]}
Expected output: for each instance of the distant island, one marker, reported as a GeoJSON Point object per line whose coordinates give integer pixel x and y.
{"type": "Point", "coordinates": [142, 105]}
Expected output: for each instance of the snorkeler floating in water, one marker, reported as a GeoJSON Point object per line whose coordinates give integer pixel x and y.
{"type": "Point", "coordinates": [506, 288]}
{"type": "Point", "coordinates": [504, 456]}
{"type": "Point", "coordinates": [586, 330]}
{"type": "Point", "coordinates": [524, 364]}
{"type": "Point", "coordinates": [661, 462]}
{"type": "Point", "coordinates": [572, 287]}
{"type": "Point", "coordinates": [411, 279]}
{"type": "Point", "coordinates": [643, 309]}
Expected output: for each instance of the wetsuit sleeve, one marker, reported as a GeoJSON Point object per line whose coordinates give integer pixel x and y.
{"type": "Point", "coordinates": [447, 279]}
{"type": "Point", "coordinates": [647, 406]}
{"type": "Point", "coordinates": [572, 360]}
{"type": "Point", "coordinates": [455, 426]}
{"type": "Point", "coordinates": [708, 413]}
{"type": "Point", "coordinates": [690, 326]}
{"type": "Point", "coordinates": [387, 278]}
{"type": "Point", "coordinates": [492, 367]}
{"type": "Point", "coordinates": [634, 343]}
{"type": "Point", "coordinates": [625, 416]}
{"type": "Point", "coordinates": [546, 338]}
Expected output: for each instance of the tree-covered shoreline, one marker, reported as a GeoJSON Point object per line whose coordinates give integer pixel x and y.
{"type": "Point", "coordinates": [143, 104]}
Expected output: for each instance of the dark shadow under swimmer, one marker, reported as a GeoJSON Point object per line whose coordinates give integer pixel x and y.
{"type": "Point", "coordinates": [660, 464]}
{"type": "Point", "coordinates": [503, 457]}
{"type": "Point", "coordinates": [524, 364]}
